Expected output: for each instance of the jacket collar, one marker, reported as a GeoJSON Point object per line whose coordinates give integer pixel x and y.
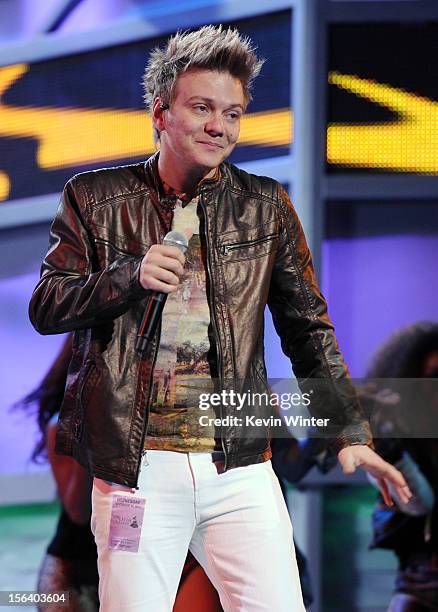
{"type": "Point", "coordinates": [153, 177]}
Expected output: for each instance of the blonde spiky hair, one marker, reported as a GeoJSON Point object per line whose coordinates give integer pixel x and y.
{"type": "Point", "coordinates": [209, 48]}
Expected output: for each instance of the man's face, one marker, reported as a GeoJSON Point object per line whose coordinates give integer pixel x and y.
{"type": "Point", "coordinates": [201, 127]}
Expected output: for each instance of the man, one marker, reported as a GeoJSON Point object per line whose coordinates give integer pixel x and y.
{"type": "Point", "coordinates": [193, 489]}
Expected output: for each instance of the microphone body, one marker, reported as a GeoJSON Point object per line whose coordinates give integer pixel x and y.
{"type": "Point", "coordinates": [157, 300]}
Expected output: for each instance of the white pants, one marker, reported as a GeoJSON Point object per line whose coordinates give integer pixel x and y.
{"type": "Point", "coordinates": [235, 523]}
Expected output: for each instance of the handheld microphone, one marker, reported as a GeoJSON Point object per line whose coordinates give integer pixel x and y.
{"type": "Point", "coordinates": [155, 304]}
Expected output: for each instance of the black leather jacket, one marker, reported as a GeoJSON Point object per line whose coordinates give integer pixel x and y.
{"type": "Point", "coordinates": [256, 254]}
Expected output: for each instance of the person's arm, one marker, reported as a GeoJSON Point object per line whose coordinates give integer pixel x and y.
{"type": "Point", "coordinates": [70, 294]}
{"type": "Point", "coordinates": [300, 317]}
{"type": "Point", "coordinates": [73, 482]}
{"type": "Point", "coordinates": [299, 313]}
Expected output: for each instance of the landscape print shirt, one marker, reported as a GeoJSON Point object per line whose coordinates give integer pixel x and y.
{"type": "Point", "coordinates": [182, 370]}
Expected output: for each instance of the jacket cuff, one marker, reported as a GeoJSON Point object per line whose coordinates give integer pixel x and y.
{"type": "Point", "coordinates": [138, 292]}
{"type": "Point", "coordinates": [350, 438]}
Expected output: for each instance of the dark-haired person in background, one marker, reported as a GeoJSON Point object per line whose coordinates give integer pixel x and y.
{"type": "Point", "coordinates": [70, 563]}
{"type": "Point", "coordinates": [216, 495]}
{"type": "Point", "coordinates": [411, 529]}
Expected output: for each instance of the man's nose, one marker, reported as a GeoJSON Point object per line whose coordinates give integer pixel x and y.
{"type": "Point", "coordinates": [215, 124]}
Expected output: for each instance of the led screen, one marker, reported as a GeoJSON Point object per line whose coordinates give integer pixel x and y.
{"type": "Point", "coordinates": [383, 98]}
{"type": "Point", "coordinates": [83, 111]}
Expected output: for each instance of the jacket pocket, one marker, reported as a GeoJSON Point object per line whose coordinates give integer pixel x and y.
{"type": "Point", "coordinates": [252, 247]}
{"type": "Point", "coordinates": [111, 246]}
{"type": "Point", "coordinates": [233, 246]}
{"type": "Point", "coordinates": [108, 250]}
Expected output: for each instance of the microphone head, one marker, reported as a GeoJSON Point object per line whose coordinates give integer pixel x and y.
{"type": "Point", "coordinates": [177, 239]}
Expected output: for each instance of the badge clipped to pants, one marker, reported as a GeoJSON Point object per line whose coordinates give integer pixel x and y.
{"type": "Point", "coordinates": [126, 522]}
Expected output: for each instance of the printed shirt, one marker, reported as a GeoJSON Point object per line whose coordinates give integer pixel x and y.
{"type": "Point", "coordinates": [182, 371]}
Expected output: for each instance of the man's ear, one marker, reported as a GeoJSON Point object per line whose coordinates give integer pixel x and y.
{"type": "Point", "coordinates": [158, 114]}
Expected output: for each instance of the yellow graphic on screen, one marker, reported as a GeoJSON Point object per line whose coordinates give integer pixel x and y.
{"type": "Point", "coordinates": [5, 186]}
{"type": "Point", "coordinates": [72, 136]}
{"type": "Point", "coordinates": [407, 144]}
{"type": "Point", "coordinates": [69, 137]}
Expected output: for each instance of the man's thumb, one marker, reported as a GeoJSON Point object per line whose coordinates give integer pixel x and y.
{"type": "Point", "coordinates": [346, 459]}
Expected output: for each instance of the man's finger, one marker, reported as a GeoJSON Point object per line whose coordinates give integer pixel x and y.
{"type": "Point", "coordinates": [395, 477]}
{"type": "Point", "coordinates": [404, 494]}
{"type": "Point", "coordinates": [384, 490]}
{"type": "Point", "coordinates": [387, 473]}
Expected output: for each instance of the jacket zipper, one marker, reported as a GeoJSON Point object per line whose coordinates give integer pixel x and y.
{"type": "Point", "coordinates": [226, 248]}
{"type": "Point", "coordinates": [213, 316]}
{"type": "Point", "coordinates": [147, 406]}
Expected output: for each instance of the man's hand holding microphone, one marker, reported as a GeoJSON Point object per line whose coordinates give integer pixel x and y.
{"type": "Point", "coordinates": [161, 271]}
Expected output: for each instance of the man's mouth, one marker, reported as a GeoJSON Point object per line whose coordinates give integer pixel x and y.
{"type": "Point", "coordinates": [213, 145]}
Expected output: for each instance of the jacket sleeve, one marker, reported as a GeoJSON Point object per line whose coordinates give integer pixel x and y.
{"type": "Point", "coordinates": [70, 294]}
{"type": "Point", "coordinates": [300, 317]}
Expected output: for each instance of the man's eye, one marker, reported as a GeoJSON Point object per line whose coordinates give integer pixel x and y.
{"type": "Point", "coordinates": [202, 108]}
{"type": "Point", "coordinates": [233, 116]}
